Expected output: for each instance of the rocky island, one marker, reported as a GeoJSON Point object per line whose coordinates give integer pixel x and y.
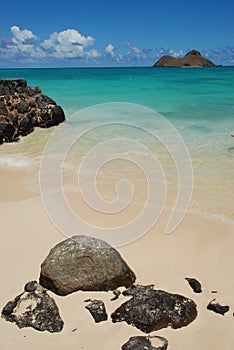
{"type": "Point", "coordinates": [191, 59]}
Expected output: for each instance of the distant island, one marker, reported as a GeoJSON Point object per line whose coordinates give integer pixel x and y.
{"type": "Point", "coordinates": [191, 59]}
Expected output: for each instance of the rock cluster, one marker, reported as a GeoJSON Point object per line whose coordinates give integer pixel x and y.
{"type": "Point", "coordinates": [84, 263]}
{"type": "Point", "coordinates": [22, 108]}
{"type": "Point", "coordinates": [90, 264]}
{"type": "Point", "coordinates": [192, 59]}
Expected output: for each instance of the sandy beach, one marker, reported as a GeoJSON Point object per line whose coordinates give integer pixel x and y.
{"type": "Point", "coordinates": [200, 247]}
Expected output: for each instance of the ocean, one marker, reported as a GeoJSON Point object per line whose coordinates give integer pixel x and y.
{"type": "Point", "coordinates": [167, 129]}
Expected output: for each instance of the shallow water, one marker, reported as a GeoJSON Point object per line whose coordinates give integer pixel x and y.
{"type": "Point", "coordinates": [197, 102]}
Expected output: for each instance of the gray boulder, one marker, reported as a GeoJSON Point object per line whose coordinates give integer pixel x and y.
{"type": "Point", "coordinates": [34, 308]}
{"type": "Point", "coordinates": [84, 263]}
{"type": "Point", "coordinates": [150, 310]}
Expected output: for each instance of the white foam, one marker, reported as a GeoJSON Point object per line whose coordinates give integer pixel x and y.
{"type": "Point", "coordinates": [220, 217]}
{"type": "Point", "coordinates": [14, 161]}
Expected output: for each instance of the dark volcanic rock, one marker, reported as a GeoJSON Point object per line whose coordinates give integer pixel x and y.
{"type": "Point", "coordinates": [12, 86]}
{"type": "Point", "coordinates": [24, 107]}
{"type": "Point", "coordinates": [34, 309]}
{"type": "Point", "coordinates": [216, 307]}
{"type": "Point", "coordinates": [150, 310]}
{"type": "Point", "coordinates": [194, 284]}
{"type": "Point", "coordinates": [191, 59]}
{"type": "Point", "coordinates": [144, 343]}
{"type": "Point", "coordinates": [97, 310]}
{"type": "Point", "coordinates": [84, 263]}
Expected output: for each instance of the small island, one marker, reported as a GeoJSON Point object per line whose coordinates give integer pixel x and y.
{"type": "Point", "coordinates": [191, 59]}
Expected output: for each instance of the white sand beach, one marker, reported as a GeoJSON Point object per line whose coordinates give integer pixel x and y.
{"type": "Point", "coordinates": [200, 247]}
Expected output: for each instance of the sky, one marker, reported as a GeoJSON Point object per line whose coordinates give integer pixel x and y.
{"type": "Point", "coordinates": [113, 33]}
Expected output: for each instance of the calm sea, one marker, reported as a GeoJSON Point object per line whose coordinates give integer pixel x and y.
{"type": "Point", "coordinates": [197, 102]}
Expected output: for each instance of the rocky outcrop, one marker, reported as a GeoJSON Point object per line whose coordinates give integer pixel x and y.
{"type": "Point", "coordinates": [34, 308]}
{"type": "Point", "coordinates": [191, 59]}
{"type": "Point", "coordinates": [97, 309]}
{"type": "Point", "coordinates": [194, 284]}
{"type": "Point", "coordinates": [150, 310]}
{"type": "Point", "coordinates": [22, 108]}
{"type": "Point", "coordinates": [144, 343]}
{"type": "Point", "coordinates": [84, 263]}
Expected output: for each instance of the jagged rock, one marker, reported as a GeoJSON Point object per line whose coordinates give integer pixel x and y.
{"type": "Point", "coordinates": [193, 59]}
{"type": "Point", "coordinates": [24, 107]}
{"type": "Point", "coordinates": [216, 307]}
{"type": "Point", "coordinates": [97, 310]}
{"type": "Point", "coordinates": [34, 308]}
{"type": "Point", "coordinates": [84, 263]}
{"type": "Point", "coordinates": [144, 343]}
{"type": "Point", "coordinates": [194, 284]}
{"type": "Point", "coordinates": [150, 310]}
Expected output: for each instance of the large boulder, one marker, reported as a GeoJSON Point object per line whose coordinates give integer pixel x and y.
{"type": "Point", "coordinates": [24, 107]}
{"type": "Point", "coordinates": [150, 310]}
{"type": "Point", "coordinates": [192, 59]}
{"type": "Point", "coordinates": [34, 308]}
{"type": "Point", "coordinates": [84, 263]}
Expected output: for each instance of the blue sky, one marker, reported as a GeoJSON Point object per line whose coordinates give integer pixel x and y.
{"type": "Point", "coordinates": [113, 33]}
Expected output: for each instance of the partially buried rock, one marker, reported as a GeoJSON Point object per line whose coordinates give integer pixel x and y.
{"type": "Point", "coordinates": [194, 284]}
{"type": "Point", "coordinates": [84, 263]}
{"type": "Point", "coordinates": [35, 309]}
{"type": "Point", "coordinates": [216, 307]}
{"type": "Point", "coordinates": [97, 310]}
{"type": "Point", "coordinates": [150, 310]}
{"type": "Point", "coordinates": [144, 343]}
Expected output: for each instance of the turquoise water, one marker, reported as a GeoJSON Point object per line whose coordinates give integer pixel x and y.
{"type": "Point", "coordinates": [198, 102]}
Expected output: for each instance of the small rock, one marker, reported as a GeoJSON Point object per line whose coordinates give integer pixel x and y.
{"type": "Point", "coordinates": [84, 263]}
{"type": "Point", "coordinates": [97, 310]}
{"type": "Point", "coordinates": [194, 284]}
{"type": "Point", "coordinates": [34, 309]}
{"type": "Point", "coordinates": [30, 286]}
{"type": "Point", "coordinates": [9, 308]}
{"type": "Point", "coordinates": [150, 310]}
{"type": "Point", "coordinates": [144, 343]}
{"type": "Point", "coordinates": [216, 307]}
{"type": "Point", "coordinates": [117, 294]}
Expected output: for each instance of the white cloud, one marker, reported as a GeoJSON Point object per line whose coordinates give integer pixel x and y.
{"type": "Point", "coordinates": [135, 49]}
{"type": "Point", "coordinates": [67, 44]}
{"type": "Point", "coordinates": [110, 50]}
{"type": "Point", "coordinates": [23, 47]}
{"type": "Point", "coordinates": [176, 53]}
{"type": "Point", "coordinates": [25, 36]}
